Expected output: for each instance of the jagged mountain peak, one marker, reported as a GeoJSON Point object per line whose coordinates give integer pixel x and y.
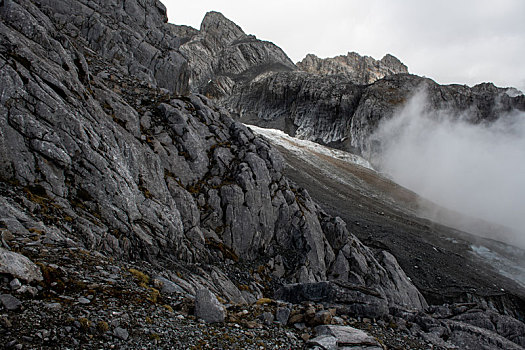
{"type": "Point", "coordinates": [392, 60]}
{"type": "Point", "coordinates": [359, 69]}
{"type": "Point", "coordinates": [217, 25]}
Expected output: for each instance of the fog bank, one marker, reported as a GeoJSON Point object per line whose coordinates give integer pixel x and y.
{"type": "Point", "coordinates": [478, 170]}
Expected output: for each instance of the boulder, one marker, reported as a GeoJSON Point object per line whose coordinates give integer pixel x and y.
{"type": "Point", "coordinates": [167, 287]}
{"type": "Point", "coordinates": [282, 314]}
{"type": "Point", "coordinates": [350, 299]}
{"type": "Point", "coordinates": [342, 337]}
{"type": "Point", "coordinates": [208, 308]}
{"type": "Point", "coordinates": [19, 266]}
{"type": "Point", "coordinates": [10, 302]}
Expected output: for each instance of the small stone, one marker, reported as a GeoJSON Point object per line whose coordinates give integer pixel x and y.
{"type": "Point", "coordinates": [305, 336]}
{"type": "Point", "coordinates": [252, 324]}
{"type": "Point", "coordinates": [53, 306]}
{"type": "Point", "coordinates": [83, 300]}
{"type": "Point", "coordinates": [322, 317]}
{"type": "Point", "coordinates": [28, 289]}
{"type": "Point", "coordinates": [299, 326]}
{"type": "Point", "coordinates": [267, 318]}
{"type": "Point", "coordinates": [10, 302]}
{"type": "Point", "coordinates": [4, 322]}
{"type": "Point", "coordinates": [121, 333]}
{"type": "Point", "coordinates": [282, 314]}
{"type": "Point", "coordinates": [297, 318]}
{"type": "Point", "coordinates": [338, 320]}
{"type": "Point", "coordinates": [15, 284]}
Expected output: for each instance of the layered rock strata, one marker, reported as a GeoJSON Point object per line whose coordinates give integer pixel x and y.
{"type": "Point", "coordinates": [359, 69]}
{"type": "Point", "coordinates": [139, 172]}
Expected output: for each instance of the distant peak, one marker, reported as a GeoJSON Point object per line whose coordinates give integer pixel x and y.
{"type": "Point", "coordinates": [220, 27]}
{"type": "Point", "coordinates": [393, 61]}
{"type": "Point", "coordinates": [360, 69]}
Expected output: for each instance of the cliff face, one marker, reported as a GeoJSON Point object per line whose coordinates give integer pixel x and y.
{"type": "Point", "coordinates": [139, 172]}
{"type": "Point", "coordinates": [222, 56]}
{"type": "Point", "coordinates": [331, 109]}
{"type": "Point", "coordinates": [358, 69]}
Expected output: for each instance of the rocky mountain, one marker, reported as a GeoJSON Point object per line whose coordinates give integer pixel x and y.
{"type": "Point", "coordinates": [120, 153]}
{"type": "Point", "coordinates": [359, 69]}
{"type": "Point", "coordinates": [333, 110]}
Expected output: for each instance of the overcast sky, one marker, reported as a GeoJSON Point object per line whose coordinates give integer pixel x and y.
{"type": "Point", "coordinates": [450, 41]}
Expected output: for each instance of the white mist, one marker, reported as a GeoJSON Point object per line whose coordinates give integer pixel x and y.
{"type": "Point", "coordinates": [477, 170]}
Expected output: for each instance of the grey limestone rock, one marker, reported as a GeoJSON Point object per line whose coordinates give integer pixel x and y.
{"type": "Point", "coordinates": [121, 333]}
{"type": "Point", "coordinates": [89, 137]}
{"type": "Point", "coordinates": [349, 299]}
{"type": "Point", "coordinates": [19, 266]}
{"type": "Point", "coordinates": [221, 55]}
{"type": "Point", "coordinates": [167, 286]}
{"type": "Point", "coordinates": [282, 314]}
{"type": "Point", "coordinates": [359, 69]}
{"type": "Point", "coordinates": [15, 284]}
{"type": "Point", "coordinates": [325, 342]}
{"type": "Point", "coordinates": [468, 336]}
{"type": "Point", "coordinates": [333, 110]}
{"type": "Point", "coordinates": [342, 337]}
{"type": "Point", "coordinates": [208, 308]}
{"type": "Point", "coordinates": [10, 302]}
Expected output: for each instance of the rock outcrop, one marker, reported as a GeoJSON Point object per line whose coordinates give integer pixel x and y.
{"type": "Point", "coordinates": [335, 111]}
{"type": "Point", "coordinates": [139, 172]}
{"type": "Point", "coordinates": [342, 337]}
{"type": "Point", "coordinates": [109, 157]}
{"type": "Point", "coordinates": [222, 56]}
{"type": "Point", "coordinates": [358, 69]}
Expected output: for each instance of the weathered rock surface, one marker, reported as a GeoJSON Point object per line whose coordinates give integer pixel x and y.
{"type": "Point", "coordinates": [335, 111]}
{"type": "Point", "coordinates": [342, 337]}
{"type": "Point", "coordinates": [221, 55]}
{"type": "Point", "coordinates": [106, 156]}
{"type": "Point", "coordinates": [10, 302]}
{"type": "Point", "coordinates": [208, 308]}
{"type": "Point", "coordinates": [138, 172]}
{"type": "Point", "coordinates": [19, 266]}
{"type": "Point", "coordinates": [358, 69]}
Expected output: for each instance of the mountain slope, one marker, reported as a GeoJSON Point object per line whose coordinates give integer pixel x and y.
{"type": "Point", "coordinates": [110, 164]}
{"type": "Point", "coordinates": [388, 216]}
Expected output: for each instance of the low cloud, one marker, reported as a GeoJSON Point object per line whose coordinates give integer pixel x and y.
{"type": "Point", "coordinates": [477, 170]}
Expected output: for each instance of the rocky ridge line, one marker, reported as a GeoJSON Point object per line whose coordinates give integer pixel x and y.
{"type": "Point", "coordinates": [361, 70]}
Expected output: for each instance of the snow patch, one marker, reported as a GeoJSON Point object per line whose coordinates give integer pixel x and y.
{"type": "Point", "coordinates": [514, 270]}
{"type": "Point", "coordinates": [299, 146]}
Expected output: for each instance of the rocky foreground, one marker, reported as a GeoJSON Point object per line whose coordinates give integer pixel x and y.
{"type": "Point", "coordinates": [137, 213]}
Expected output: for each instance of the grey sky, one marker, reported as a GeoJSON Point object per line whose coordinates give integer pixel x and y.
{"type": "Point", "coordinates": [450, 41]}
